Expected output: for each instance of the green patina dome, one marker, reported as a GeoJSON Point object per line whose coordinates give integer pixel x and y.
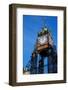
{"type": "Point", "coordinates": [43, 31]}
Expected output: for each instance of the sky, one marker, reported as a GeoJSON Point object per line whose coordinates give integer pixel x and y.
{"type": "Point", "coordinates": [32, 24]}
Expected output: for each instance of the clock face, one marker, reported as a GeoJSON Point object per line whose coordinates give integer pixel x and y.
{"type": "Point", "coordinates": [42, 39]}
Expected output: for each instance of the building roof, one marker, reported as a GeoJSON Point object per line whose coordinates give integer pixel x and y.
{"type": "Point", "coordinates": [43, 31]}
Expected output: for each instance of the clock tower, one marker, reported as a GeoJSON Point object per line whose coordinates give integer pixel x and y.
{"type": "Point", "coordinates": [44, 48]}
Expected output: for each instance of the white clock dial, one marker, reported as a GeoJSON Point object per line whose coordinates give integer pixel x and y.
{"type": "Point", "coordinates": [42, 39]}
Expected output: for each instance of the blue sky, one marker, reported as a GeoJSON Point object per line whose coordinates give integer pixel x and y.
{"type": "Point", "coordinates": [32, 25]}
